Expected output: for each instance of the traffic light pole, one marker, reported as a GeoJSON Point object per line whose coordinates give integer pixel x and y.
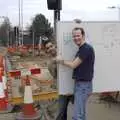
{"type": "Point", "coordinates": [56, 19]}
{"type": "Point", "coordinates": [16, 37]}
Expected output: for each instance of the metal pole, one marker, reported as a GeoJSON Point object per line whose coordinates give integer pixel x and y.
{"type": "Point", "coordinates": [22, 21]}
{"type": "Point", "coordinates": [8, 29]}
{"type": "Point", "coordinates": [19, 4]}
{"type": "Point", "coordinates": [16, 38]}
{"type": "Point", "coordinates": [33, 41]}
{"type": "Point", "coordinates": [56, 19]}
{"type": "Point", "coordinates": [8, 37]}
{"type": "Point", "coordinates": [10, 43]}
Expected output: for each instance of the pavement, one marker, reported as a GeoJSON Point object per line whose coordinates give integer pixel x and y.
{"type": "Point", "coordinates": [99, 110]}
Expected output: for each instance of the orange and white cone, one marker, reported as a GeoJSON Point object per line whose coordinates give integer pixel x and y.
{"type": "Point", "coordinates": [4, 78]}
{"type": "Point", "coordinates": [29, 112]}
{"type": "Point", "coordinates": [3, 104]}
{"type": "Point", "coordinates": [5, 87]}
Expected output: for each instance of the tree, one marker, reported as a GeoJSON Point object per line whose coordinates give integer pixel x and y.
{"type": "Point", "coordinates": [4, 31]}
{"type": "Point", "coordinates": [41, 26]}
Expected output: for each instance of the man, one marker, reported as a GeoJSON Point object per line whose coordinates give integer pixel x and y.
{"type": "Point", "coordinates": [63, 99]}
{"type": "Point", "coordinates": [83, 69]}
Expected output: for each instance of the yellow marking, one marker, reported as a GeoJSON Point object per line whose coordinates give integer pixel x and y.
{"type": "Point", "coordinates": [38, 97]}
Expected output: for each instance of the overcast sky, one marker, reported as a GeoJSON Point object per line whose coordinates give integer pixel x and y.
{"type": "Point", "coordinates": [83, 9]}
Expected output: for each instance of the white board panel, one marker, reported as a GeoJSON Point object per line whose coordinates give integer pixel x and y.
{"type": "Point", "coordinates": [105, 38]}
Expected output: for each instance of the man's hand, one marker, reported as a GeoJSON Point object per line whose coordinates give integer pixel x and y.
{"type": "Point", "coordinates": [59, 59]}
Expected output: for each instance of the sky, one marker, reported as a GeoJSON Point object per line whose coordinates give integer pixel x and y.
{"type": "Point", "coordinates": [86, 10]}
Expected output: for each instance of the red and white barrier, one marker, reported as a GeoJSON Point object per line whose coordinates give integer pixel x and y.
{"type": "Point", "coordinates": [24, 72]}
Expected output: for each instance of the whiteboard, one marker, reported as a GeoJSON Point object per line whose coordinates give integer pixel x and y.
{"type": "Point", "coordinates": [105, 38]}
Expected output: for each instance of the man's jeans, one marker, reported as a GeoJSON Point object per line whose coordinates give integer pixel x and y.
{"type": "Point", "coordinates": [63, 104]}
{"type": "Point", "coordinates": [82, 92]}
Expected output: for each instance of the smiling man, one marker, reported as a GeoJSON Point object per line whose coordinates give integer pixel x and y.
{"type": "Point", "coordinates": [83, 69]}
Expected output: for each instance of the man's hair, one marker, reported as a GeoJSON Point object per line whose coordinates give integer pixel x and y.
{"type": "Point", "coordinates": [79, 28]}
{"type": "Point", "coordinates": [46, 42]}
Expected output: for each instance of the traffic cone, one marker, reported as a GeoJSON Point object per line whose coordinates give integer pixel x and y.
{"type": "Point", "coordinates": [4, 79]}
{"type": "Point", "coordinates": [29, 112]}
{"type": "Point", "coordinates": [3, 104]}
{"type": "Point", "coordinates": [8, 107]}
{"type": "Point", "coordinates": [5, 87]}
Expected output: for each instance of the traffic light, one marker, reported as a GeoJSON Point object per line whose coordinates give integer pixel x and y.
{"type": "Point", "coordinates": [54, 4]}
{"type": "Point", "coordinates": [16, 31]}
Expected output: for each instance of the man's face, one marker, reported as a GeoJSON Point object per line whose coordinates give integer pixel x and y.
{"type": "Point", "coordinates": [50, 48]}
{"type": "Point", "coordinates": [78, 37]}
